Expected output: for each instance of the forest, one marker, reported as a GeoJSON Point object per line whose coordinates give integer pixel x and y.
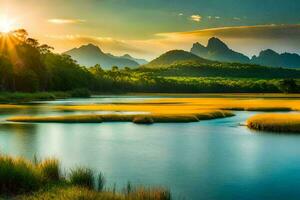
{"type": "Point", "coordinates": [27, 66]}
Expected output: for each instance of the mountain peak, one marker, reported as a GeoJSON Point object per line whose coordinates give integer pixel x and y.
{"type": "Point", "coordinates": [215, 44]}
{"type": "Point", "coordinates": [268, 52]}
{"type": "Point", "coordinates": [90, 55]}
{"type": "Point", "coordinates": [91, 47]}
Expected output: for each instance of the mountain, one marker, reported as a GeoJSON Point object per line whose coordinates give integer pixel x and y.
{"type": "Point", "coordinates": [218, 51]}
{"type": "Point", "coordinates": [271, 58]}
{"type": "Point", "coordinates": [176, 57]}
{"type": "Point", "coordinates": [90, 55]}
{"type": "Point", "coordinates": [138, 60]}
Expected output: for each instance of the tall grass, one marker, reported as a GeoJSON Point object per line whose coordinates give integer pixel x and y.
{"type": "Point", "coordinates": [18, 176]}
{"type": "Point", "coordinates": [50, 170]}
{"type": "Point", "coordinates": [43, 180]}
{"type": "Point", "coordinates": [82, 177]}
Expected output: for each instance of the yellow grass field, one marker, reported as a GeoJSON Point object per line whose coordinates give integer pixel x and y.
{"type": "Point", "coordinates": [171, 109]}
{"type": "Point", "coordinates": [136, 118]}
{"type": "Point", "coordinates": [275, 122]}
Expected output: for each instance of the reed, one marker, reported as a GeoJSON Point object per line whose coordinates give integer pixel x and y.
{"type": "Point", "coordinates": [281, 123]}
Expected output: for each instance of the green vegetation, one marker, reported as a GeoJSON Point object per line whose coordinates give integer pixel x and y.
{"type": "Point", "coordinates": [25, 180]}
{"type": "Point", "coordinates": [280, 123]}
{"type": "Point", "coordinates": [176, 71]}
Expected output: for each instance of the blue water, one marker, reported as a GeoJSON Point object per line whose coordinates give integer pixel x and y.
{"type": "Point", "coordinates": [217, 159]}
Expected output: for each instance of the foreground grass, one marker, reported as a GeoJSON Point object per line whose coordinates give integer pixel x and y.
{"type": "Point", "coordinates": [137, 118]}
{"type": "Point", "coordinates": [288, 123]}
{"type": "Point", "coordinates": [25, 180]}
{"type": "Point", "coordinates": [79, 193]}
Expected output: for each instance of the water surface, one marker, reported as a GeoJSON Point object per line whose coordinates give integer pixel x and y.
{"type": "Point", "coordinates": [217, 159]}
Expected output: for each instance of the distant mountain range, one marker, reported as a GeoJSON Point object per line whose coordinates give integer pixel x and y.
{"type": "Point", "coordinates": [90, 55]}
{"type": "Point", "coordinates": [176, 57]}
{"type": "Point", "coordinates": [217, 50]}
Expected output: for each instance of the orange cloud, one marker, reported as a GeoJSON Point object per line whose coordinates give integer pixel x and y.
{"type": "Point", "coordinates": [65, 21]}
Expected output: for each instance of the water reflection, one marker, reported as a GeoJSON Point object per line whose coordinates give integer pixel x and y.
{"type": "Point", "coordinates": [215, 159]}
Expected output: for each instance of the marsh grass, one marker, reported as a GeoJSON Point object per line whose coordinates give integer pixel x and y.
{"type": "Point", "coordinates": [18, 176]}
{"type": "Point", "coordinates": [83, 177]}
{"type": "Point", "coordinates": [181, 117]}
{"type": "Point", "coordinates": [50, 170]}
{"type": "Point", "coordinates": [81, 193]}
{"type": "Point", "coordinates": [59, 119]}
{"type": "Point", "coordinates": [288, 123]}
{"type": "Point", "coordinates": [21, 179]}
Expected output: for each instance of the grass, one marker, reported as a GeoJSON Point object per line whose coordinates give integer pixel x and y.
{"type": "Point", "coordinates": [82, 177]}
{"type": "Point", "coordinates": [21, 179]}
{"type": "Point", "coordinates": [81, 193]}
{"type": "Point", "coordinates": [281, 123]}
{"type": "Point", "coordinates": [19, 97]}
{"type": "Point", "coordinates": [137, 118]}
{"type": "Point", "coordinates": [18, 176]}
{"type": "Point", "coordinates": [50, 170]}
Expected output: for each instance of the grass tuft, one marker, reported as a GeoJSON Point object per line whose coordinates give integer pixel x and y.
{"type": "Point", "coordinates": [82, 177]}
{"type": "Point", "coordinates": [50, 170]}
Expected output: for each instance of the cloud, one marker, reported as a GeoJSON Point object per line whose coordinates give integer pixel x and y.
{"type": "Point", "coordinates": [65, 21]}
{"type": "Point", "coordinates": [196, 18]}
{"type": "Point", "coordinates": [63, 43]}
{"type": "Point", "coordinates": [247, 39]}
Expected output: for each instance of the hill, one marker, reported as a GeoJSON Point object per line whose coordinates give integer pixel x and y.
{"type": "Point", "coordinates": [271, 58]}
{"type": "Point", "coordinates": [176, 57]}
{"type": "Point", "coordinates": [138, 60]}
{"type": "Point", "coordinates": [90, 55]}
{"type": "Point", "coordinates": [218, 51]}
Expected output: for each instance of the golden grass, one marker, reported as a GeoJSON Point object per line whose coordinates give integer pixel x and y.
{"type": "Point", "coordinates": [136, 118]}
{"type": "Point", "coordinates": [76, 193]}
{"type": "Point", "coordinates": [289, 123]}
{"type": "Point", "coordinates": [186, 105]}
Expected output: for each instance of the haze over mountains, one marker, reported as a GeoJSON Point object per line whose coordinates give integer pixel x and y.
{"type": "Point", "coordinates": [90, 55]}
{"type": "Point", "coordinates": [217, 50]}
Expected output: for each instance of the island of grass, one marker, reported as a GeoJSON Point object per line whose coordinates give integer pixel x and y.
{"type": "Point", "coordinates": [280, 123]}
{"type": "Point", "coordinates": [136, 118]}
{"type": "Point", "coordinates": [25, 180]}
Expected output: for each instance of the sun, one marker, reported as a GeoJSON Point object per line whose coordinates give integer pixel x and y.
{"type": "Point", "coordinates": [6, 25]}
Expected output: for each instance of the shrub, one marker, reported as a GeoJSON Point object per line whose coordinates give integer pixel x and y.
{"type": "Point", "coordinates": [83, 177]}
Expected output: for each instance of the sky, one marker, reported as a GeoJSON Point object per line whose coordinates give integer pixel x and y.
{"type": "Point", "coordinates": [148, 28]}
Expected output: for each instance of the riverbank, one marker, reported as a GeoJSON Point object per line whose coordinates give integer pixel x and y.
{"type": "Point", "coordinates": [26, 180]}
{"type": "Point", "coordinates": [20, 97]}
